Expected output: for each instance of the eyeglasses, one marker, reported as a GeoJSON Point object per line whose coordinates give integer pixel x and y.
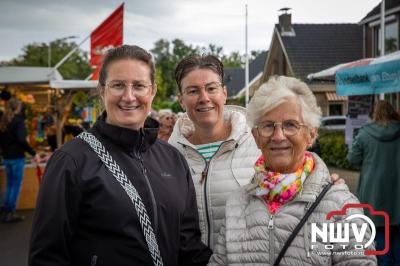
{"type": "Point", "coordinates": [118, 88]}
{"type": "Point", "coordinates": [212, 88]}
{"type": "Point", "coordinates": [289, 128]}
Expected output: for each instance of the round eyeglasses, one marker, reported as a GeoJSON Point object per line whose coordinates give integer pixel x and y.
{"type": "Point", "coordinates": [289, 128]}
{"type": "Point", "coordinates": [212, 88]}
{"type": "Point", "coordinates": [118, 88]}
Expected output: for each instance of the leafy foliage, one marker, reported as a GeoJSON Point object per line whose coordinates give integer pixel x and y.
{"type": "Point", "coordinates": [334, 149]}
{"type": "Point", "coordinates": [173, 105]}
{"type": "Point", "coordinates": [237, 101]}
{"type": "Point", "coordinates": [37, 54]}
{"type": "Point", "coordinates": [167, 56]}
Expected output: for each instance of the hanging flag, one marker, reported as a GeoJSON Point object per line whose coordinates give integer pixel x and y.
{"type": "Point", "coordinates": [107, 35]}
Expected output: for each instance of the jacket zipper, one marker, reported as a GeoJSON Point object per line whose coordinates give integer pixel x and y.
{"type": "Point", "coordinates": [144, 172]}
{"type": "Point", "coordinates": [204, 175]}
{"type": "Point", "coordinates": [306, 241]}
{"type": "Point", "coordinates": [271, 236]}
{"type": "Point", "coordinates": [271, 231]}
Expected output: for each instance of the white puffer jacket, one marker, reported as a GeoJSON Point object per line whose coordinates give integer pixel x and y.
{"type": "Point", "coordinates": [230, 168]}
{"type": "Point", "coordinates": [252, 236]}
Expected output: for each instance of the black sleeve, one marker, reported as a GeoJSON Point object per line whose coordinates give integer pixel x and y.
{"type": "Point", "coordinates": [56, 212]}
{"type": "Point", "coordinates": [21, 134]}
{"type": "Point", "coordinates": [192, 250]}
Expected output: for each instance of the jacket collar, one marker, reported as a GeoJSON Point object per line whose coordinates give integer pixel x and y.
{"type": "Point", "coordinates": [236, 115]}
{"type": "Point", "coordinates": [128, 139]}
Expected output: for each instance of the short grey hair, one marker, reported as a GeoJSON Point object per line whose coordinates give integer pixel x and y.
{"type": "Point", "coordinates": [275, 92]}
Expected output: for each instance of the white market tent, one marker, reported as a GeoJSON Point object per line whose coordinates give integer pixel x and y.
{"type": "Point", "coordinates": [44, 83]}
{"type": "Point", "coordinates": [24, 75]}
{"type": "Point", "coordinates": [73, 84]}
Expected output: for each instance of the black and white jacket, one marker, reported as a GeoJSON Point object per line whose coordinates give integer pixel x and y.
{"type": "Point", "coordinates": [84, 217]}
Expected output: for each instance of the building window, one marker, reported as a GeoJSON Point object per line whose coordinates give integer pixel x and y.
{"type": "Point", "coordinates": [391, 38]}
{"type": "Point", "coordinates": [335, 109]}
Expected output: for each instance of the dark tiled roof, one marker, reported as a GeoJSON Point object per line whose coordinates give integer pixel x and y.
{"type": "Point", "coordinates": [234, 76]}
{"type": "Point", "coordinates": [319, 46]}
{"type": "Point", "coordinates": [257, 65]}
{"type": "Point", "coordinates": [234, 80]}
{"type": "Point", "coordinates": [389, 4]}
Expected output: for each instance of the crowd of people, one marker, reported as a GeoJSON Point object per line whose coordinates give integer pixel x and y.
{"type": "Point", "coordinates": [217, 185]}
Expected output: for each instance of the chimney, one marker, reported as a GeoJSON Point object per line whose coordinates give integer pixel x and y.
{"type": "Point", "coordinates": [285, 22]}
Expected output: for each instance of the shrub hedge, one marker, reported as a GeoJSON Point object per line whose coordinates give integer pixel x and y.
{"type": "Point", "coordinates": [334, 149]}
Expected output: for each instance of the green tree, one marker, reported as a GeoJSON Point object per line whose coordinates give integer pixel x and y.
{"type": "Point", "coordinates": [167, 55]}
{"type": "Point", "coordinates": [234, 59]}
{"type": "Point", "coordinates": [162, 56]}
{"type": "Point", "coordinates": [214, 50]}
{"type": "Point", "coordinates": [37, 54]}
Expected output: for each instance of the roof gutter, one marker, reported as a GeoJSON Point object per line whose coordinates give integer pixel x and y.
{"type": "Point", "coordinates": [377, 16]}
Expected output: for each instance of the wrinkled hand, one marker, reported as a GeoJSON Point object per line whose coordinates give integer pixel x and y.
{"type": "Point", "coordinates": [336, 179]}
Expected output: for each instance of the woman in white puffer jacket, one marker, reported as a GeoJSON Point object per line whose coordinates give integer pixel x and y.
{"type": "Point", "coordinates": [214, 139]}
{"type": "Point", "coordinates": [228, 169]}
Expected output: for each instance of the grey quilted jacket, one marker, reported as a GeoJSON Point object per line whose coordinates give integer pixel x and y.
{"type": "Point", "coordinates": [230, 168]}
{"type": "Point", "coordinates": [252, 236]}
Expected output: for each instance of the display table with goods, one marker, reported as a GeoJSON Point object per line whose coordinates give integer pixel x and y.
{"type": "Point", "coordinates": [41, 121]}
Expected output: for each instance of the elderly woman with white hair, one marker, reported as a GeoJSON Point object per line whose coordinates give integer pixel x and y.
{"type": "Point", "coordinates": [268, 222]}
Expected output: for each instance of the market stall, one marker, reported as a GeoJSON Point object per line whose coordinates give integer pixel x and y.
{"type": "Point", "coordinates": [362, 81]}
{"type": "Point", "coordinates": [365, 76]}
{"type": "Point", "coordinates": [55, 111]}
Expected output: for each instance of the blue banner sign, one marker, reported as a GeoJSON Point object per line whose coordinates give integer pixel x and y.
{"type": "Point", "coordinates": [371, 79]}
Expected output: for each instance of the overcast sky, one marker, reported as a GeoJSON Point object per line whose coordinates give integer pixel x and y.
{"type": "Point", "coordinates": [197, 22]}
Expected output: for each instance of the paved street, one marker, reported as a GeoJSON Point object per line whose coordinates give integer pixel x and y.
{"type": "Point", "coordinates": [14, 238]}
{"type": "Point", "coordinates": [14, 241]}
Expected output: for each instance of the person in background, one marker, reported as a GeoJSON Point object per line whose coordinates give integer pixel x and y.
{"type": "Point", "coordinates": [214, 138]}
{"type": "Point", "coordinates": [376, 150]}
{"type": "Point", "coordinates": [261, 216]}
{"type": "Point", "coordinates": [13, 135]}
{"type": "Point", "coordinates": [132, 202]}
{"type": "Point", "coordinates": [167, 121]}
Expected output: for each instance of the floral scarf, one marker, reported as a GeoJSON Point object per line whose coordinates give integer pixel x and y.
{"type": "Point", "coordinates": [276, 188]}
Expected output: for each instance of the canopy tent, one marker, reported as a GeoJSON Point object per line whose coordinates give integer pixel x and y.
{"type": "Point", "coordinates": [48, 88]}
{"type": "Point", "coordinates": [28, 75]}
{"type": "Point", "coordinates": [73, 84]}
{"type": "Point", "coordinates": [365, 76]}
{"type": "Point", "coordinates": [43, 77]}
